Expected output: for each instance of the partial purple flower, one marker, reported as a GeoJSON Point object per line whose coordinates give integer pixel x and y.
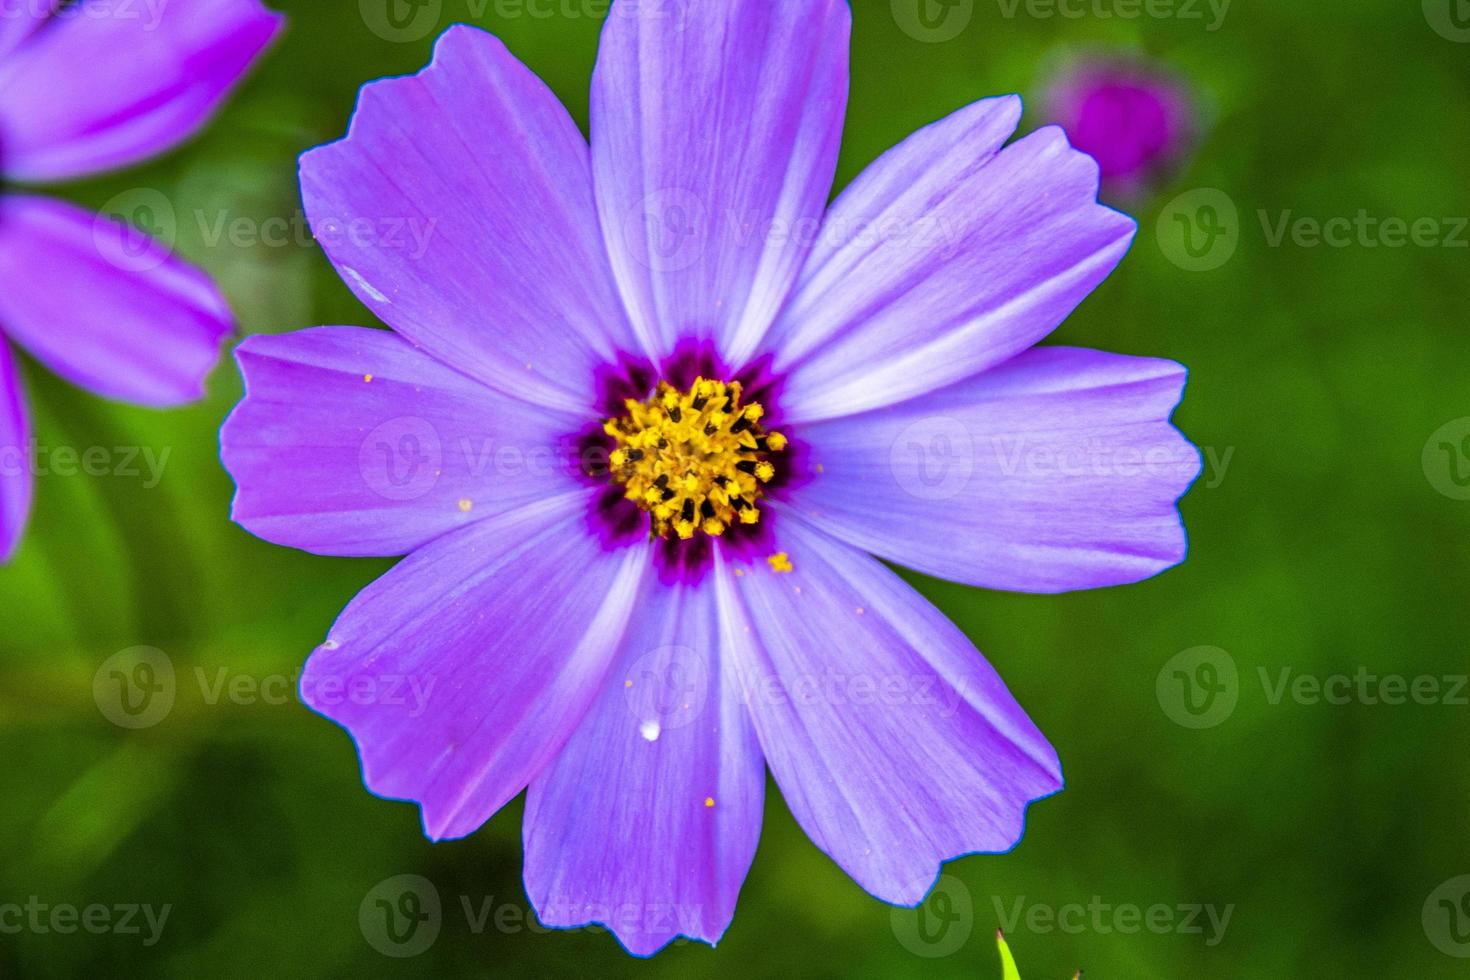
{"type": "Point", "coordinates": [1135, 118]}
{"type": "Point", "coordinates": [86, 88]}
{"type": "Point", "coordinates": [650, 413]}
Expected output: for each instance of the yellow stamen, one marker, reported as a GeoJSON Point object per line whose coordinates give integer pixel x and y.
{"type": "Point", "coordinates": [695, 460]}
{"type": "Point", "coordinates": [781, 563]}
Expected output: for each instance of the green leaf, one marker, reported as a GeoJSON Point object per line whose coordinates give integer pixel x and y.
{"type": "Point", "coordinates": [1007, 961]}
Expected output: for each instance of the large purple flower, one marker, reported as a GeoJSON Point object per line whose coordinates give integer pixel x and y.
{"type": "Point", "coordinates": [83, 89]}
{"type": "Point", "coordinates": [648, 412]}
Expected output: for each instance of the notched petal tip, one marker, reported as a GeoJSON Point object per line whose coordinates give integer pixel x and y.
{"type": "Point", "coordinates": [917, 892]}
{"type": "Point", "coordinates": [631, 926]}
{"type": "Point", "coordinates": [1127, 224]}
{"type": "Point", "coordinates": [377, 96]}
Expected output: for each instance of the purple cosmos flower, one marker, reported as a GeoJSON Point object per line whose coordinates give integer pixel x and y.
{"type": "Point", "coordinates": [83, 89]}
{"type": "Point", "coordinates": [1136, 120]}
{"type": "Point", "coordinates": [649, 410]}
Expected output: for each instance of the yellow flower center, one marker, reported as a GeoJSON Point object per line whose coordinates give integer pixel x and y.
{"type": "Point", "coordinates": [695, 460]}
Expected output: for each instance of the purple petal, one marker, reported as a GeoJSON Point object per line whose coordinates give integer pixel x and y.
{"type": "Point", "coordinates": [648, 820]}
{"type": "Point", "coordinates": [945, 257]}
{"type": "Point", "coordinates": [459, 209]}
{"type": "Point", "coordinates": [105, 306]}
{"type": "Point", "coordinates": [896, 746]}
{"type": "Point", "coordinates": [16, 483]}
{"type": "Point", "coordinates": [17, 25]}
{"type": "Point", "coordinates": [97, 90]}
{"type": "Point", "coordinates": [353, 442]}
{"type": "Point", "coordinates": [715, 130]}
{"type": "Point", "coordinates": [463, 671]}
{"type": "Point", "coordinates": [1058, 470]}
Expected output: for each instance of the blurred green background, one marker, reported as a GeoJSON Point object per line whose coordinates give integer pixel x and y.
{"type": "Point", "coordinates": [1325, 542]}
